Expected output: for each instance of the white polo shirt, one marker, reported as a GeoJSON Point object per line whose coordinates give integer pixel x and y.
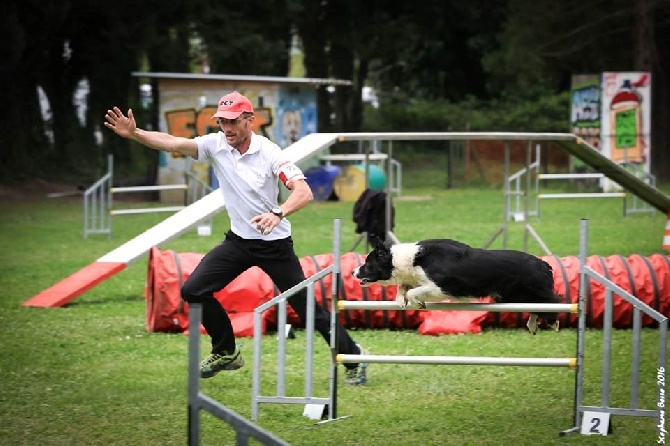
{"type": "Point", "coordinates": [249, 182]}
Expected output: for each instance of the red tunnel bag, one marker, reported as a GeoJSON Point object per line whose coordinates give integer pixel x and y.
{"type": "Point", "coordinates": [646, 278]}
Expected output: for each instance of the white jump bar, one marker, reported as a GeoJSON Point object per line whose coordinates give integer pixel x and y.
{"type": "Point", "coordinates": [457, 360]}
{"type": "Point", "coordinates": [146, 210]}
{"type": "Point", "coordinates": [462, 306]}
{"type": "Point", "coordinates": [116, 190]}
{"type": "Point", "coordinates": [568, 176]}
{"type": "Point", "coordinates": [585, 195]}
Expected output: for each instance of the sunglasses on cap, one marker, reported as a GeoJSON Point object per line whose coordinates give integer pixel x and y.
{"type": "Point", "coordinates": [235, 121]}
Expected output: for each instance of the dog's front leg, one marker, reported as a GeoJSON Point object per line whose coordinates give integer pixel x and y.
{"type": "Point", "coordinates": [400, 297]}
{"type": "Point", "coordinates": [421, 294]}
{"type": "Point", "coordinates": [532, 323]}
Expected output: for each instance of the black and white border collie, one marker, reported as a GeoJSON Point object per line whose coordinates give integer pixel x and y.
{"type": "Point", "coordinates": [444, 269]}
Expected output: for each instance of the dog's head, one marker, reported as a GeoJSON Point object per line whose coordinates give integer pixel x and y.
{"type": "Point", "coordinates": [378, 264]}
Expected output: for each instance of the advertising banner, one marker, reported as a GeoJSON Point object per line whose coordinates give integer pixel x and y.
{"type": "Point", "coordinates": [585, 111]}
{"type": "Point", "coordinates": [626, 118]}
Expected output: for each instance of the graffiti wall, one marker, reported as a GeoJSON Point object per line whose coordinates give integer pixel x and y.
{"type": "Point", "coordinates": [284, 114]}
{"type": "Point", "coordinates": [585, 110]}
{"type": "Point", "coordinates": [626, 112]}
{"type": "Point", "coordinates": [612, 112]}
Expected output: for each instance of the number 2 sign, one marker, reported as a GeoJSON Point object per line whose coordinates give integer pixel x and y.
{"type": "Point", "coordinates": [595, 423]}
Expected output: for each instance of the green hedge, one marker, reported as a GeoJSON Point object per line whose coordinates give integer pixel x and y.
{"type": "Point", "coordinates": [549, 113]}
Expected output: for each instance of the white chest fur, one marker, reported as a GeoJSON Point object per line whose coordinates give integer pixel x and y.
{"type": "Point", "coordinates": [414, 286]}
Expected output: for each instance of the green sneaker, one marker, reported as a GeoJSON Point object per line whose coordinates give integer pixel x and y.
{"type": "Point", "coordinates": [359, 375]}
{"type": "Point", "coordinates": [215, 363]}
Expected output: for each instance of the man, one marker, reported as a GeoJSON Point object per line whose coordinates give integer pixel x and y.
{"type": "Point", "coordinates": [248, 167]}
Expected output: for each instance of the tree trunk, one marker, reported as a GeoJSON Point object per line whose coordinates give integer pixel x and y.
{"type": "Point", "coordinates": [647, 59]}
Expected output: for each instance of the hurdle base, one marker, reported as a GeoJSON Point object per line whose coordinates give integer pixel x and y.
{"type": "Point", "coordinates": [572, 430]}
{"type": "Point", "coordinates": [320, 412]}
{"type": "Point", "coordinates": [332, 419]}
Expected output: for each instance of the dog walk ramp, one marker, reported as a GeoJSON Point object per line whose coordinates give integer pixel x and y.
{"type": "Point", "coordinates": [115, 261]}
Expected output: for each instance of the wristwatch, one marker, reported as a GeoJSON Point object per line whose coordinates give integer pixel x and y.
{"type": "Point", "coordinates": [278, 212]}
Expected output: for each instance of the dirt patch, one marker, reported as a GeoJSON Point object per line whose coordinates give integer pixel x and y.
{"type": "Point", "coordinates": [36, 189]}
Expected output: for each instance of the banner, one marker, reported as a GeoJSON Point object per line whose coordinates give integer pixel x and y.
{"type": "Point", "coordinates": [585, 112]}
{"type": "Point", "coordinates": [626, 118]}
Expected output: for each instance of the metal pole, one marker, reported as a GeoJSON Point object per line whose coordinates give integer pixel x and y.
{"type": "Point", "coordinates": [389, 180]}
{"type": "Point", "coordinates": [335, 288]}
{"type": "Point", "coordinates": [526, 193]}
{"type": "Point", "coordinates": [506, 211]}
{"type": "Point", "coordinates": [281, 348]}
{"type": "Point", "coordinates": [309, 342]}
{"type": "Point", "coordinates": [195, 312]}
{"type": "Point", "coordinates": [460, 306]}
{"type": "Point", "coordinates": [107, 212]}
{"type": "Point", "coordinates": [581, 326]}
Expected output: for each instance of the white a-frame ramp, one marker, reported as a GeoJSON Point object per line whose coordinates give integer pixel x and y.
{"type": "Point", "coordinates": [111, 263]}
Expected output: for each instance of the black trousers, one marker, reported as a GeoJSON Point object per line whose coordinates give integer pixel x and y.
{"type": "Point", "coordinates": [231, 258]}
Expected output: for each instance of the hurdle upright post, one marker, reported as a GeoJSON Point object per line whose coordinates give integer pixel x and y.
{"type": "Point", "coordinates": [527, 228]}
{"type": "Point", "coordinates": [581, 330]}
{"type": "Point", "coordinates": [506, 195]}
{"type": "Point", "coordinates": [335, 289]}
{"type": "Point", "coordinates": [195, 315]}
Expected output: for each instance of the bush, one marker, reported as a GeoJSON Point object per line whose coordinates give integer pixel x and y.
{"type": "Point", "coordinates": [548, 113]}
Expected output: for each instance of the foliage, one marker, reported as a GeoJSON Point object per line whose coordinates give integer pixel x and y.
{"type": "Point", "coordinates": [545, 113]}
{"type": "Point", "coordinates": [500, 56]}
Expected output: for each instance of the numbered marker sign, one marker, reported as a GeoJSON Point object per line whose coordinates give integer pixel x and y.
{"type": "Point", "coordinates": [595, 423]}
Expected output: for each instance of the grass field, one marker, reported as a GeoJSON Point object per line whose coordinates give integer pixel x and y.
{"type": "Point", "coordinates": [90, 373]}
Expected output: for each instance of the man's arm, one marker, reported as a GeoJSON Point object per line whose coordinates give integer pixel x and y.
{"type": "Point", "coordinates": [301, 195]}
{"type": "Point", "coordinates": [126, 127]}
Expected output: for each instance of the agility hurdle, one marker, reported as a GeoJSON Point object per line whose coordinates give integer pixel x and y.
{"type": "Point", "coordinates": [280, 301]}
{"type": "Point", "coordinates": [461, 360]}
{"type": "Point", "coordinates": [245, 428]}
{"type": "Point", "coordinates": [630, 206]}
{"type": "Point", "coordinates": [98, 200]}
{"type": "Point", "coordinates": [574, 363]}
{"type": "Point", "coordinates": [631, 203]}
{"type": "Point", "coordinates": [639, 308]}
{"type": "Point", "coordinates": [574, 176]}
{"type": "Point", "coordinates": [580, 409]}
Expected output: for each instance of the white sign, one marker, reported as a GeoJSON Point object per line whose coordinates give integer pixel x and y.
{"type": "Point", "coordinates": [595, 423]}
{"type": "Point", "coordinates": [315, 411]}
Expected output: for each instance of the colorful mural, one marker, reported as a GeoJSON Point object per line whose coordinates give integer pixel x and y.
{"type": "Point", "coordinates": [585, 111]}
{"type": "Point", "coordinates": [284, 114]}
{"type": "Point", "coordinates": [297, 112]}
{"type": "Point", "coordinates": [626, 112]}
{"type": "Point", "coordinates": [612, 112]}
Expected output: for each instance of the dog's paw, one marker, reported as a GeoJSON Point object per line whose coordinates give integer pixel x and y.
{"type": "Point", "coordinates": [401, 300]}
{"type": "Point", "coordinates": [532, 324]}
{"type": "Point", "coordinates": [555, 326]}
{"type": "Point", "coordinates": [414, 302]}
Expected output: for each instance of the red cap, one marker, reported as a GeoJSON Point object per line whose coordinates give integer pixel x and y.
{"type": "Point", "coordinates": [233, 105]}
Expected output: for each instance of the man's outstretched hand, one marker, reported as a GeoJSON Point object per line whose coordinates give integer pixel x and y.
{"type": "Point", "coordinates": [122, 125]}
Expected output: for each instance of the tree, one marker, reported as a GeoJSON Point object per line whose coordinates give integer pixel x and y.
{"type": "Point", "coordinates": [543, 44]}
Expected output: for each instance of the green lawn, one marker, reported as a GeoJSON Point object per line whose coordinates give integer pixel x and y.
{"type": "Point", "coordinates": [90, 373]}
